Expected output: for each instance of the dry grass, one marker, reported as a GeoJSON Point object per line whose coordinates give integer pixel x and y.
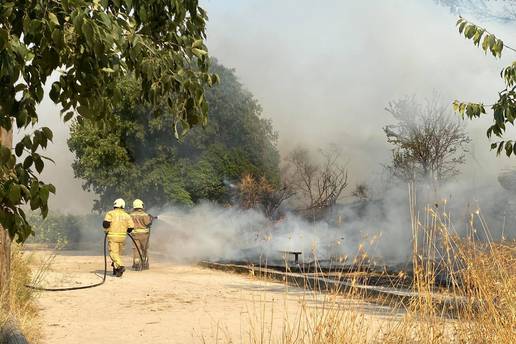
{"type": "Point", "coordinates": [481, 281]}
{"type": "Point", "coordinates": [23, 310]}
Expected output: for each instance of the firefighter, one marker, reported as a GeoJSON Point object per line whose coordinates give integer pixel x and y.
{"type": "Point", "coordinates": [117, 223]}
{"type": "Point", "coordinates": [142, 222]}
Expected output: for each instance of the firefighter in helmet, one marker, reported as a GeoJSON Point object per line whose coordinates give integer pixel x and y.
{"type": "Point", "coordinates": [142, 223]}
{"type": "Point", "coordinates": [117, 223]}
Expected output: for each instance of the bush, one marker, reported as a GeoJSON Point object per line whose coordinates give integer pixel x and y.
{"type": "Point", "coordinates": [63, 231]}
{"type": "Point", "coordinates": [20, 302]}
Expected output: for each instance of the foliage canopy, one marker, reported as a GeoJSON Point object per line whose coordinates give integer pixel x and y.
{"type": "Point", "coordinates": [139, 157]}
{"type": "Point", "coordinates": [91, 44]}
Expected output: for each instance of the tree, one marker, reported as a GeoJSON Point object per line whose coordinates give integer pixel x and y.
{"type": "Point", "coordinates": [504, 109]}
{"type": "Point", "coordinates": [84, 47]}
{"type": "Point", "coordinates": [92, 44]}
{"type": "Point", "coordinates": [260, 194]}
{"type": "Point", "coordinates": [139, 157]}
{"type": "Point", "coordinates": [428, 142]}
{"type": "Point", "coordinates": [318, 185]}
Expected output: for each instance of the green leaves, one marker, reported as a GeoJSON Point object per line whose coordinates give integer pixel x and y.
{"type": "Point", "coordinates": [27, 163]}
{"type": "Point", "coordinates": [39, 164]}
{"type": "Point", "coordinates": [44, 193]}
{"type": "Point", "coordinates": [236, 140]}
{"type": "Point", "coordinates": [93, 44]}
{"type": "Point", "coordinates": [198, 43]}
{"type": "Point", "coordinates": [53, 19]}
{"type": "Point", "coordinates": [199, 52]}
{"type": "Point", "coordinates": [6, 9]}
{"type": "Point", "coordinates": [47, 133]}
{"type": "Point", "coordinates": [471, 110]}
{"type": "Point", "coordinates": [509, 74]}
{"type": "Point", "coordinates": [504, 109]}
{"type": "Point", "coordinates": [5, 154]}
{"type": "Point", "coordinates": [14, 193]}
{"type": "Point", "coordinates": [509, 147]}
{"type": "Point", "coordinates": [490, 42]}
{"type": "Point", "coordinates": [4, 38]}
{"type": "Point", "coordinates": [19, 149]}
{"type": "Point", "coordinates": [87, 30]}
{"type": "Point", "coordinates": [55, 91]}
{"type": "Point", "coordinates": [68, 116]}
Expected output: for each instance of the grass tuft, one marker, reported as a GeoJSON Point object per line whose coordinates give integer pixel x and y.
{"type": "Point", "coordinates": [21, 301]}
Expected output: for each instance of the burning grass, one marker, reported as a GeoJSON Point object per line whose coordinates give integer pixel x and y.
{"type": "Point", "coordinates": [21, 301]}
{"type": "Point", "coordinates": [479, 288]}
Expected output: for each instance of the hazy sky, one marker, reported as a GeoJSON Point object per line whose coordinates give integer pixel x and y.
{"type": "Point", "coordinates": [324, 71]}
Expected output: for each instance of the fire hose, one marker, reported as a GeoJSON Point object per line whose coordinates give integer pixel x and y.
{"type": "Point", "coordinates": [94, 284]}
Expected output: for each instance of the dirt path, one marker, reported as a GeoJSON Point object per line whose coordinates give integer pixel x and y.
{"type": "Point", "coordinates": [167, 304]}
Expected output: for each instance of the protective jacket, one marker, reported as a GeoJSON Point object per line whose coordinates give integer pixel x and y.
{"type": "Point", "coordinates": [142, 221]}
{"type": "Point", "coordinates": [120, 221]}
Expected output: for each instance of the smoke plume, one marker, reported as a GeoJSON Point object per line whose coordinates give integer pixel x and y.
{"type": "Point", "coordinates": [323, 73]}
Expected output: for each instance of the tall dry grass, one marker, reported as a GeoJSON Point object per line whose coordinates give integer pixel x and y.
{"type": "Point", "coordinates": [21, 301]}
{"type": "Point", "coordinates": [477, 304]}
{"type": "Point", "coordinates": [481, 276]}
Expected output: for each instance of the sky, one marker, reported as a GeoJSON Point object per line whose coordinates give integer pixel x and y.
{"type": "Point", "coordinates": [324, 72]}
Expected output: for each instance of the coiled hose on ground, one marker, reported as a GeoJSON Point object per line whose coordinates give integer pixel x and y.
{"type": "Point", "coordinates": [94, 284]}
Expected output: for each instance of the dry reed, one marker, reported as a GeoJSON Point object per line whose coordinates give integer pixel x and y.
{"type": "Point", "coordinates": [480, 290]}
{"type": "Point", "coordinates": [21, 301]}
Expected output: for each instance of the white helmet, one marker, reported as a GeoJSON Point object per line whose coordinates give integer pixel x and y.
{"type": "Point", "coordinates": [119, 203]}
{"type": "Point", "coordinates": [138, 204]}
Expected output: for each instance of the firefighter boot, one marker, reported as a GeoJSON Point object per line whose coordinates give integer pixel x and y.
{"type": "Point", "coordinates": [114, 269]}
{"type": "Point", "coordinates": [120, 271]}
{"type": "Point", "coordinates": [137, 265]}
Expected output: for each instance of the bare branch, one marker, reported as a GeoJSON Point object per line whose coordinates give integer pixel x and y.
{"type": "Point", "coordinates": [262, 195]}
{"type": "Point", "coordinates": [320, 185]}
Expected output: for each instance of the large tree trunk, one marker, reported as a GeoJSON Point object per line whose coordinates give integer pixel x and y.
{"type": "Point", "coordinates": [6, 139]}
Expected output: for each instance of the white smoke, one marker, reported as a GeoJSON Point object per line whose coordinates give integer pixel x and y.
{"type": "Point", "coordinates": [323, 73]}
{"type": "Point", "coordinates": [209, 231]}
{"type": "Point", "coordinates": [379, 227]}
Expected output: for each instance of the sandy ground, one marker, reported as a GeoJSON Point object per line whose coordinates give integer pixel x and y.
{"type": "Point", "coordinates": [172, 303]}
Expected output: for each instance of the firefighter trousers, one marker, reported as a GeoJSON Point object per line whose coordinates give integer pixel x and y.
{"type": "Point", "coordinates": [116, 249]}
{"type": "Point", "coordinates": [142, 240]}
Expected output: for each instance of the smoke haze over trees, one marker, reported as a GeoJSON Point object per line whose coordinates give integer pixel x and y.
{"type": "Point", "coordinates": [325, 76]}
{"type": "Point", "coordinates": [430, 142]}
{"type": "Point", "coordinates": [318, 181]}
{"type": "Point", "coordinates": [138, 156]}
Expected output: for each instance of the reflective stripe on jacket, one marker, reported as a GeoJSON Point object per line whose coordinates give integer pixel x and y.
{"type": "Point", "coordinates": [116, 235]}
{"type": "Point", "coordinates": [142, 221]}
